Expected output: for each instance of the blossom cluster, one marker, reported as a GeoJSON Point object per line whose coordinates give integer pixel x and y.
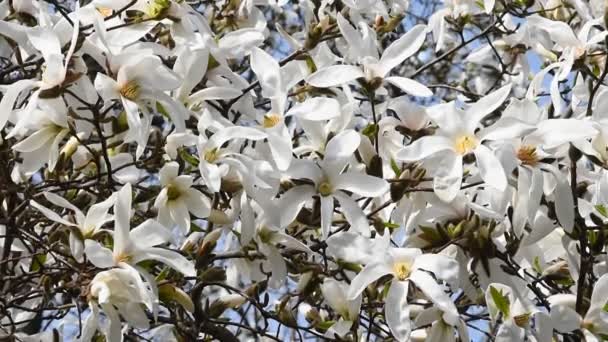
{"type": "Point", "coordinates": [365, 170]}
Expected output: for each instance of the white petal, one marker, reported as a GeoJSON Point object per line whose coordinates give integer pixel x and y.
{"type": "Point", "coordinates": [353, 214]}
{"type": "Point", "coordinates": [342, 145]}
{"type": "Point", "coordinates": [268, 72]}
{"type": "Point", "coordinates": [37, 140]}
{"type": "Point", "coordinates": [334, 75]}
{"type": "Point", "coordinates": [403, 48]}
{"type": "Point", "coordinates": [327, 213]}
{"type": "Point", "coordinates": [410, 86]}
{"type": "Point", "coordinates": [448, 178]}
{"type": "Point", "coordinates": [443, 267]}
{"type": "Point", "coordinates": [397, 310]}
{"type": "Point", "coordinates": [434, 292]}
{"type": "Point", "coordinates": [122, 219]}
{"type": "Point", "coordinates": [424, 147]}
{"type": "Point", "coordinates": [168, 257]}
{"type": "Point", "coordinates": [490, 169]}
{"type": "Point", "coordinates": [316, 108]}
{"type": "Point", "coordinates": [198, 204]}
{"type": "Point", "coordinates": [368, 275]}
{"type": "Point", "coordinates": [99, 255]}
{"type": "Point", "coordinates": [485, 106]}
{"type": "Point", "coordinates": [364, 185]}
{"type": "Point", "coordinates": [150, 233]}
{"type": "Point", "coordinates": [51, 215]}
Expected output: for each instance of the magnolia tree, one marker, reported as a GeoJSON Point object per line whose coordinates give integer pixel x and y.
{"type": "Point", "coordinates": [349, 170]}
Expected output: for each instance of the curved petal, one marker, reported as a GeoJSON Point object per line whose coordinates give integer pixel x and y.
{"type": "Point", "coordinates": [448, 178]}
{"type": "Point", "coordinates": [168, 257]}
{"type": "Point", "coordinates": [490, 169]}
{"type": "Point", "coordinates": [353, 214]}
{"type": "Point", "coordinates": [427, 284]}
{"type": "Point", "coordinates": [409, 86]}
{"type": "Point", "coordinates": [99, 255]}
{"type": "Point", "coordinates": [122, 219]}
{"type": "Point", "coordinates": [292, 202]}
{"type": "Point", "coordinates": [403, 48]}
{"type": "Point", "coordinates": [368, 275]}
{"type": "Point", "coordinates": [397, 310]}
{"type": "Point", "coordinates": [360, 184]}
{"type": "Point", "coordinates": [342, 145]}
{"type": "Point", "coordinates": [334, 75]}
{"type": "Point", "coordinates": [315, 109]}
{"type": "Point", "coordinates": [150, 233]}
{"type": "Point", "coordinates": [197, 203]}
{"type": "Point", "coordinates": [327, 213]}
{"type": "Point", "coordinates": [424, 147]}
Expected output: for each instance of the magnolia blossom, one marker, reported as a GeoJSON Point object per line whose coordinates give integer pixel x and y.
{"type": "Point", "coordinates": [406, 265]}
{"type": "Point", "coordinates": [133, 246]}
{"type": "Point", "coordinates": [86, 226]}
{"type": "Point", "coordinates": [117, 293]}
{"type": "Point", "coordinates": [178, 199]}
{"type": "Point", "coordinates": [329, 183]}
{"type": "Point", "coordinates": [593, 324]}
{"type": "Point", "coordinates": [335, 294]}
{"type": "Point", "coordinates": [456, 138]}
{"type": "Point", "coordinates": [374, 72]}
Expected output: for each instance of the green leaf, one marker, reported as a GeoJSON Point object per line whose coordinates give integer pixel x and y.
{"type": "Point", "coordinates": [161, 109]}
{"type": "Point", "coordinates": [602, 209]}
{"type": "Point", "coordinates": [395, 167]}
{"type": "Point", "coordinates": [390, 225]}
{"type": "Point", "coordinates": [183, 153]}
{"type": "Point", "coordinates": [501, 301]}
{"type": "Point", "coordinates": [37, 262]}
{"type": "Point", "coordinates": [370, 131]}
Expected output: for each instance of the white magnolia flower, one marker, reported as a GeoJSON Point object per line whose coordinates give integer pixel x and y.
{"type": "Point", "coordinates": [457, 137]}
{"type": "Point", "coordinates": [178, 199]}
{"type": "Point", "coordinates": [594, 324]}
{"type": "Point", "coordinates": [86, 226]}
{"type": "Point", "coordinates": [407, 265]}
{"type": "Point", "coordinates": [330, 182]}
{"type": "Point", "coordinates": [133, 246]}
{"type": "Point", "coordinates": [375, 72]}
{"type": "Point", "coordinates": [334, 293]}
{"type": "Point", "coordinates": [116, 291]}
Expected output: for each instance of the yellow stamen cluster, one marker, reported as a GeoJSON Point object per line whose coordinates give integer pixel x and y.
{"type": "Point", "coordinates": [122, 257]}
{"type": "Point", "coordinates": [527, 155]}
{"type": "Point", "coordinates": [173, 192]}
{"type": "Point", "coordinates": [522, 320]}
{"type": "Point", "coordinates": [465, 144]}
{"type": "Point", "coordinates": [211, 155]}
{"type": "Point", "coordinates": [130, 90]}
{"type": "Point", "coordinates": [271, 120]}
{"type": "Point", "coordinates": [402, 270]}
{"type": "Point", "coordinates": [325, 189]}
{"type": "Point", "coordinates": [104, 11]}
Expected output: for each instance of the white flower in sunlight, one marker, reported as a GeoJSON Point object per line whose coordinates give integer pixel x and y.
{"type": "Point", "coordinates": [407, 265]}
{"type": "Point", "coordinates": [372, 71]}
{"type": "Point", "coordinates": [116, 291]}
{"type": "Point", "coordinates": [456, 138]}
{"type": "Point", "coordinates": [594, 324]}
{"type": "Point", "coordinates": [178, 199]}
{"type": "Point", "coordinates": [330, 182]}
{"type": "Point", "coordinates": [334, 293]}
{"type": "Point", "coordinates": [133, 246]}
{"type": "Point", "coordinates": [86, 225]}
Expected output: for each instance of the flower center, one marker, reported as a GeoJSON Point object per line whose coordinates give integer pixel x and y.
{"type": "Point", "coordinates": [104, 11]}
{"type": "Point", "coordinates": [173, 192]}
{"type": "Point", "coordinates": [123, 257]}
{"type": "Point", "coordinates": [130, 90]}
{"type": "Point", "coordinates": [587, 325]}
{"type": "Point", "coordinates": [522, 320]}
{"type": "Point", "coordinates": [402, 270]}
{"type": "Point", "coordinates": [527, 155]}
{"type": "Point", "coordinates": [465, 144]}
{"type": "Point", "coordinates": [271, 120]}
{"type": "Point", "coordinates": [211, 155]}
{"type": "Point", "coordinates": [325, 189]}
{"type": "Point", "coordinates": [156, 8]}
